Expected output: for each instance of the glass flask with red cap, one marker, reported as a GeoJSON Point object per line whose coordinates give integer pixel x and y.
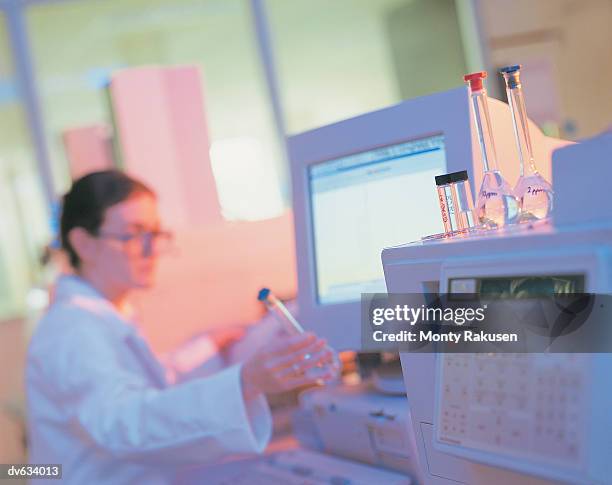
{"type": "Point", "coordinates": [496, 204]}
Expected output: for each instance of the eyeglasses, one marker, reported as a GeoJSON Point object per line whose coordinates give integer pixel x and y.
{"type": "Point", "coordinates": [144, 240]}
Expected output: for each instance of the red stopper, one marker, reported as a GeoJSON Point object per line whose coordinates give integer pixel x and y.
{"type": "Point", "coordinates": [475, 80]}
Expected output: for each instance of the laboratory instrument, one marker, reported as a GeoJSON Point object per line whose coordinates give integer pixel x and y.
{"type": "Point", "coordinates": [496, 205]}
{"type": "Point", "coordinates": [534, 192]}
{"type": "Point", "coordinates": [357, 422]}
{"type": "Point", "coordinates": [547, 419]}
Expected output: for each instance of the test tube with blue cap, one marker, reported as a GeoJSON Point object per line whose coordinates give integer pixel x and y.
{"type": "Point", "coordinates": [278, 309]}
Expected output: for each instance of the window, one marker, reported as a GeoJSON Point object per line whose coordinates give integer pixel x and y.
{"type": "Point", "coordinates": [77, 45]}
{"type": "Point", "coordinates": [343, 58]}
{"type": "Point", "coordinates": [23, 222]}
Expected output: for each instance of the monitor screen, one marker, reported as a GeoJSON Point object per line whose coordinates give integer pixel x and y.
{"type": "Point", "coordinates": [364, 202]}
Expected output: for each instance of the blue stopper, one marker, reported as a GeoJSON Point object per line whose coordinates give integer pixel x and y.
{"type": "Point", "coordinates": [263, 294]}
{"type": "Point", "coordinates": [511, 69]}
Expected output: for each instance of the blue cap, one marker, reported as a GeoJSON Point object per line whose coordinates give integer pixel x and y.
{"type": "Point", "coordinates": [510, 69]}
{"type": "Point", "coordinates": [263, 294]}
{"type": "Point", "coordinates": [512, 76]}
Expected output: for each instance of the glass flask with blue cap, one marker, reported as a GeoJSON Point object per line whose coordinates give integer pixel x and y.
{"type": "Point", "coordinates": [534, 192]}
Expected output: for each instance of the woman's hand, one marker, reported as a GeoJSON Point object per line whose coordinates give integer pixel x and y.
{"type": "Point", "coordinates": [282, 364]}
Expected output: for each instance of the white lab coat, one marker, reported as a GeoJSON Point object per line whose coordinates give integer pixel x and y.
{"type": "Point", "coordinates": [100, 405]}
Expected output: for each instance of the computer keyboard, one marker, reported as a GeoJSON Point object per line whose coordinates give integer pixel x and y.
{"type": "Point", "coordinates": [301, 467]}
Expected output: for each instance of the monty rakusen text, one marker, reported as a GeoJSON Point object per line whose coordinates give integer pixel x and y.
{"type": "Point", "coordinates": [408, 315]}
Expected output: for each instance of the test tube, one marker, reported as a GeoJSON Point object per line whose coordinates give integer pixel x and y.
{"type": "Point", "coordinates": [280, 311]}
{"type": "Point", "coordinates": [447, 204]}
{"type": "Point", "coordinates": [455, 199]}
{"type": "Point", "coordinates": [289, 322]}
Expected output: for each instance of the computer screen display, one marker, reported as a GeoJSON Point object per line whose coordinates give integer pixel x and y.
{"type": "Point", "coordinates": [518, 287]}
{"type": "Point", "coordinates": [364, 202]}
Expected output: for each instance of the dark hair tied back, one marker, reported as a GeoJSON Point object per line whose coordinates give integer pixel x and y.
{"type": "Point", "coordinates": [89, 197]}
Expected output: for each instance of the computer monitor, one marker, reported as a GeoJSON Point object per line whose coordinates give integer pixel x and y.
{"type": "Point", "coordinates": [350, 200]}
{"type": "Point", "coordinates": [352, 182]}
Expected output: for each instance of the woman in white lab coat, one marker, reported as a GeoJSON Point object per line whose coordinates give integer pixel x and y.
{"type": "Point", "coordinates": [99, 402]}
